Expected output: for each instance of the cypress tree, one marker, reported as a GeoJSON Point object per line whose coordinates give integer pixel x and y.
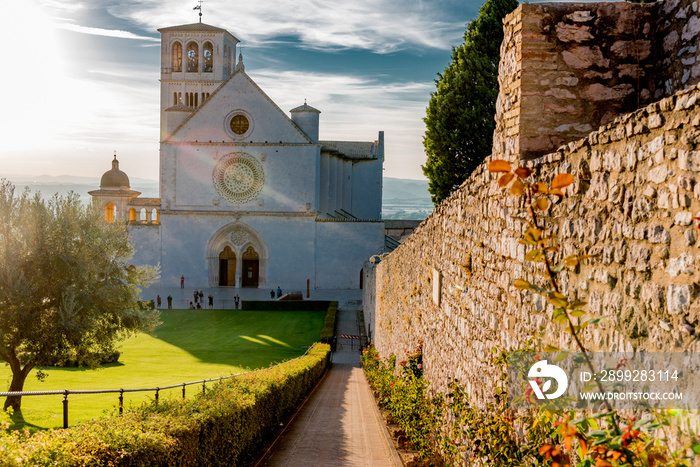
{"type": "Point", "coordinates": [459, 118]}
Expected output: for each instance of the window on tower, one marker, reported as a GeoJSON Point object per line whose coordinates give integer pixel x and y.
{"type": "Point", "coordinates": [192, 57]}
{"type": "Point", "coordinates": [177, 56]}
{"type": "Point", "coordinates": [208, 57]}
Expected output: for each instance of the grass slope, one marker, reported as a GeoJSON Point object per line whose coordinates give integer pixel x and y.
{"type": "Point", "coordinates": [189, 346]}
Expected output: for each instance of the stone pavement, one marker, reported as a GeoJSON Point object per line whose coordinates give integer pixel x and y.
{"type": "Point", "coordinates": [340, 424]}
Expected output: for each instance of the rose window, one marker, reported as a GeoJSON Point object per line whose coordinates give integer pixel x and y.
{"type": "Point", "coordinates": [239, 178]}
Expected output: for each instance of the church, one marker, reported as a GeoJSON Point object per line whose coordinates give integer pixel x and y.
{"type": "Point", "coordinates": [249, 195]}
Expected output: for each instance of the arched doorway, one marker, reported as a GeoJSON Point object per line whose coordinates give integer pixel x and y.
{"type": "Point", "coordinates": [248, 252]}
{"type": "Point", "coordinates": [227, 267]}
{"type": "Point", "coordinates": [251, 267]}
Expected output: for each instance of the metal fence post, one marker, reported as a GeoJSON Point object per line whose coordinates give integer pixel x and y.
{"type": "Point", "coordinates": [183, 390]}
{"type": "Point", "coordinates": [157, 391]}
{"type": "Point", "coordinates": [65, 408]}
{"type": "Point", "coordinates": [121, 401]}
{"type": "Point", "coordinates": [204, 387]}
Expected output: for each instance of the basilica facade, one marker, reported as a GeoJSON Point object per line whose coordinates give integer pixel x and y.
{"type": "Point", "coordinates": [249, 195]}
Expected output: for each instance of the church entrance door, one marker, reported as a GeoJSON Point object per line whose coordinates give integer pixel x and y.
{"type": "Point", "coordinates": [227, 267]}
{"type": "Point", "coordinates": [251, 268]}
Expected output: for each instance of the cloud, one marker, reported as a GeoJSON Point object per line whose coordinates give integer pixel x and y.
{"type": "Point", "coordinates": [106, 32]}
{"type": "Point", "coordinates": [355, 108]}
{"type": "Point", "coordinates": [380, 26]}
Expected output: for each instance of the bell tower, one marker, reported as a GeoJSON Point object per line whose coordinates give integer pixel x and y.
{"type": "Point", "coordinates": [195, 59]}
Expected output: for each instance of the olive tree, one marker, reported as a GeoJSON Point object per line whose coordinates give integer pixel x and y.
{"type": "Point", "coordinates": [66, 285]}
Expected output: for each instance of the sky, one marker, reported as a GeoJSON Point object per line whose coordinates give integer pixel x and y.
{"type": "Point", "coordinates": [80, 79]}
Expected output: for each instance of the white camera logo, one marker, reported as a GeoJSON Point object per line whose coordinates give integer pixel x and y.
{"type": "Point", "coordinates": [543, 370]}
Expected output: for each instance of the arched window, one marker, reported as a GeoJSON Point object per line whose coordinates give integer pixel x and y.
{"type": "Point", "coordinates": [132, 215]}
{"type": "Point", "coordinates": [177, 56]}
{"type": "Point", "coordinates": [144, 215]}
{"type": "Point", "coordinates": [208, 55]}
{"type": "Point", "coordinates": [192, 57]}
{"type": "Point", "coordinates": [155, 216]}
{"type": "Point", "coordinates": [110, 213]}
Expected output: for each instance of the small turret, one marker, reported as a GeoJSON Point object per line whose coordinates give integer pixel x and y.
{"type": "Point", "coordinates": [306, 118]}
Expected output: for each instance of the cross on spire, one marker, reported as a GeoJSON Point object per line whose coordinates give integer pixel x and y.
{"type": "Point", "coordinates": [199, 7]}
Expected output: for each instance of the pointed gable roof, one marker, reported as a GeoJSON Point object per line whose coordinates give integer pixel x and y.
{"type": "Point", "coordinates": [278, 128]}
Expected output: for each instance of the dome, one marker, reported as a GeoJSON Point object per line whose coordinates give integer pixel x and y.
{"type": "Point", "coordinates": [115, 178]}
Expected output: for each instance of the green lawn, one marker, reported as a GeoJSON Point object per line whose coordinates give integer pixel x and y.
{"type": "Point", "coordinates": [190, 345]}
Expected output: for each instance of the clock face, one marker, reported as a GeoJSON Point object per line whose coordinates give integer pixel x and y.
{"type": "Point", "coordinates": [239, 177]}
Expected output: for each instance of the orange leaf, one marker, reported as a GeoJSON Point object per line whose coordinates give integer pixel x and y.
{"type": "Point", "coordinates": [499, 165]}
{"type": "Point", "coordinates": [541, 204]}
{"type": "Point", "coordinates": [523, 172]}
{"type": "Point", "coordinates": [540, 187]}
{"type": "Point", "coordinates": [562, 180]}
{"type": "Point", "coordinates": [584, 446]}
{"type": "Point", "coordinates": [518, 188]}
{"type": "Point", "coordinates": [505, 179]}
{"type": "Point", "coordinates": [557, 192]}
{"type": "Point", "coordinates": [546, 448]}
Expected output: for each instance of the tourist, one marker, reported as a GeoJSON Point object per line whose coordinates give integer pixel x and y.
{"type": "Point", "coordinates": [158, 302]}
{"type": "Point", "coordinates": [191, 306]}
{"type": "Point", "coordinates": [201, 296]}
{"type": "Point", "coordinates": [279, 292]}
{"type": "Point", "coordinates": [170, 302]}
{"type": "Point", "coordinates": [182, 282]}
{"type": "Point", "coordinates": [211, 301]}
{"type": "Point", "coordinates": [199, 306]}
{"type": "Point", "coordinates": [272, 294]}
{"type": "Point", "coordinates": [195, 294]}
{"type": "Point", "coordinates": [236, 300]}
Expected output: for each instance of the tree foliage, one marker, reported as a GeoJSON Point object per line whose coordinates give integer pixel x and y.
{"type": "Point", "coordinates": [65, 283]}
{"type": "Point", "coordinates": [459, 118]}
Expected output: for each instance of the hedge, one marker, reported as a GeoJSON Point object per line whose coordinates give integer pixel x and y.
{"type": "Point", "coordinates": [229, 425]}
{"type": "Point", "coordinates": [285, 305]}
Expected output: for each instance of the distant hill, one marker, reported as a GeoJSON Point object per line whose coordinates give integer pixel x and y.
{"type": "Point", "coordinates": [48, 185]}
{"type": "Point", "coordinates": [402, 198]}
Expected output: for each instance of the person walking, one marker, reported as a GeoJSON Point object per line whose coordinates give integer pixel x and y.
{"type": "Point", "coordinates": [211, 301]}
{"type": "Point", "coordinates": [182, 282]}
{"type": "Point", "coordinates": [170, 302]}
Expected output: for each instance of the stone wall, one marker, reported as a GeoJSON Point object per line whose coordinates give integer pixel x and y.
{"type": "Point", "coordinates": [567, 68]}
{"type": "Point", "coordinates": [637, 186]}
{"type": "Point", "coordinates": [678, 41]}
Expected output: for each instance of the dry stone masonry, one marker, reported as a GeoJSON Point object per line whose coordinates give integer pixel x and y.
{"type": "Point", "coordinates": [564, 69]}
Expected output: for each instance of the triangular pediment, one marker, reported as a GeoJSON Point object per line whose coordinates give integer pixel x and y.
{"type": "Point", "coordinates": [239, 95]}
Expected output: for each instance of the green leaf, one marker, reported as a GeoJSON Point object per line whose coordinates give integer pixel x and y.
{"type": "Point", "coordinates": [561, 357]}
{"type": "Point", "coordinates": [577, 313]}
{"type": "Point", "coordinates": [558, 299]}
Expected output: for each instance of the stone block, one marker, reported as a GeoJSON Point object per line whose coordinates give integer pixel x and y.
{"type": "Point", "coordinates": [658, 234]}
{"type": "Point", "coordinates": [658, 174]}
{"type": "Point", "coordinates": [678, 299]}
{"type": "Point", "coordinates": [683, 264]}
{"type": "Point", "coordinates": [689, 160]}
{"type": "Point", "coordinates": [683, 218]}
